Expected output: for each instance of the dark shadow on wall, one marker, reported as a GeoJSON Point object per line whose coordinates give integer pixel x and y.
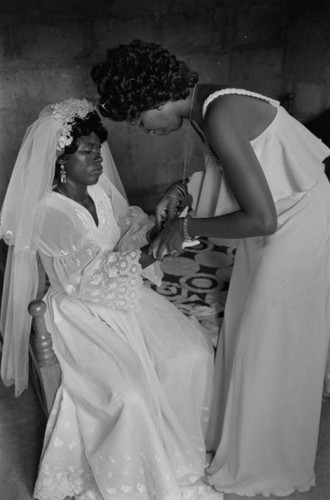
{"type": "Point", "coordinates": [3, 256]}
{"type": "Point", "coordinates": [320, 126]}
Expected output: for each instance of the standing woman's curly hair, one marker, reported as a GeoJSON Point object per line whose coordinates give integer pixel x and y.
{"type": "Point", "coordinates": [138, 77]}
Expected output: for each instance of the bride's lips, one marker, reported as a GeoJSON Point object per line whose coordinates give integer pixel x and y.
{"type": "Point", "coordinates": [98, 169]}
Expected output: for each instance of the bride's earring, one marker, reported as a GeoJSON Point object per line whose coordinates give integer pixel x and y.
{"type": "Point", "coordinates": [62, 172]}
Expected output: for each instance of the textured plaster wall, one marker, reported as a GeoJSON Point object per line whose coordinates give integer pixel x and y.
{"type": "Point", "coordinates": [47, 48]}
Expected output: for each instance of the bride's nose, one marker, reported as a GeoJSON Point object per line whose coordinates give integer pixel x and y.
{"type": "Point", "coordinates": [98, 157]}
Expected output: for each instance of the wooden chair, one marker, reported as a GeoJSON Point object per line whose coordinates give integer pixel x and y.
{"type": "Point", "coordinates": [45, 370]}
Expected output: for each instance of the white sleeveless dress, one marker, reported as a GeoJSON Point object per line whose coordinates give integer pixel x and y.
{"type": "Point", "coordinates": [273, 344]}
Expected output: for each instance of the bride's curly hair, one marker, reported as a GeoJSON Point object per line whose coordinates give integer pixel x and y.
{"type": "Point", "coordinates": [82, 127]}
{"type": "Point", "coordinates": [140, 76]}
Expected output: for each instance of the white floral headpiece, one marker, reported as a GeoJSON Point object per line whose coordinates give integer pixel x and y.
{"type": "Point", "coordinates": [67, 111]}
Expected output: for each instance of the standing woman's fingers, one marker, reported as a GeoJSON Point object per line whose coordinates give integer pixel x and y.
{"type": "Point", "coordinates": [168, 240]}
{"type": "Point", "coordinates": [161, 217]}
{"type": "Point", "coordinates": [158, 247]}
{"type": "Point", "coordinates": [166, 209]}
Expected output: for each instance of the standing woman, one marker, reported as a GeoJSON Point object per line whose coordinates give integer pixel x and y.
{"type": "Point", "coordinates": [275, 198]}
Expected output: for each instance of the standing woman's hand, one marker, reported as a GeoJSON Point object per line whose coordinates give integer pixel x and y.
{"type": "Point", "coordinates": [169, 241]}
{"type": "Point", "coordinates": [166, 209]}
{"type": "Point", "coordinates": [171, 204]}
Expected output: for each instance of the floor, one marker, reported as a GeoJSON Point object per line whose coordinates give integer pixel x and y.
{"type": "Point", "coordinates": [21, 429]}
{"type": "Point", "coordinates": [197, 283]}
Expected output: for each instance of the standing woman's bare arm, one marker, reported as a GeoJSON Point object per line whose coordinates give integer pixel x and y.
{"type": "Point", "coordinates": [230, 124]}
{"type": "Point", "coordinates": [229, 127]}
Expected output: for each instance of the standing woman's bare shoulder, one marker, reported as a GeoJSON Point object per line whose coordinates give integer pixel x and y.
{"type": "Point", "coordinates": [247, 115]}
{"type": "Point", "coordinates": [225, 120]}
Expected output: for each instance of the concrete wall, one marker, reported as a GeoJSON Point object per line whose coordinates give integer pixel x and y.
{"type": "Point", "coordinates": [48, 47]}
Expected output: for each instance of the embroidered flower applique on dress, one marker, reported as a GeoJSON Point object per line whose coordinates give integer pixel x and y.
{"type": "Point", "coordinates": [84, 217]}
{"type": "Point", "coordinates": [114, 280]}
{"type": "Point", "coordinates": [101, 211]}
{"type": "Point", "coordinates": [105, 277]}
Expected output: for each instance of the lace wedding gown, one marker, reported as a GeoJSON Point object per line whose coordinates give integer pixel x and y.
{"type": "Point", "coordinates": [130, 416]}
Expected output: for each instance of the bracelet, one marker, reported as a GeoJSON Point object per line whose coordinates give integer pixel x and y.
{"type": "Point", "coordinates": [185, 229]}
{"type": "Point", "coordinates": [180, 187]}
{"type": "Point", "coordinates": [171, 196]}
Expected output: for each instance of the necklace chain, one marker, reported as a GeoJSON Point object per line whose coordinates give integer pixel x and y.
{"type": "Point", "coordinates": [185, 157]}
{"type": "Point", "coordinates": [83, 203]}
{"type": "Point", "coordinates": [60, 191]}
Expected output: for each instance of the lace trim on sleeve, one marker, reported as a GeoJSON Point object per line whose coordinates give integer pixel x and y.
{"type": "Point", "coordinates": [108, 278]}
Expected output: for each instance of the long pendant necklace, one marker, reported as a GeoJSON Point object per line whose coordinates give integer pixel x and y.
{"type": "Point", "coordinates": [60, 191]}
{"type": "Point", "coordinates": [84, 204]}
{"type": "Point", "coordinates": [185, 156]}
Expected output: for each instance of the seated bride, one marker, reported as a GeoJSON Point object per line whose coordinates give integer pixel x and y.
{"type": "Point", "coordinates": [129, 418]}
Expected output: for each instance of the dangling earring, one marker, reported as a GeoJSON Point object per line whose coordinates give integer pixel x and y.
{"type": "Point", "coordinates": [63, 172]}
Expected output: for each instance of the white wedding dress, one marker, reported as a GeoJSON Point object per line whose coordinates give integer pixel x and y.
{"type": "Point", "coordinates": [130, 416]}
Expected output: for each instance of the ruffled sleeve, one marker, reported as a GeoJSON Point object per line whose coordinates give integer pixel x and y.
{"type": "Point", "coordinates": [135, 225]}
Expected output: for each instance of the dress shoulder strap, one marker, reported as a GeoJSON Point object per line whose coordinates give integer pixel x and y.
{"type": "Point", "coordinates": [249, 93]}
